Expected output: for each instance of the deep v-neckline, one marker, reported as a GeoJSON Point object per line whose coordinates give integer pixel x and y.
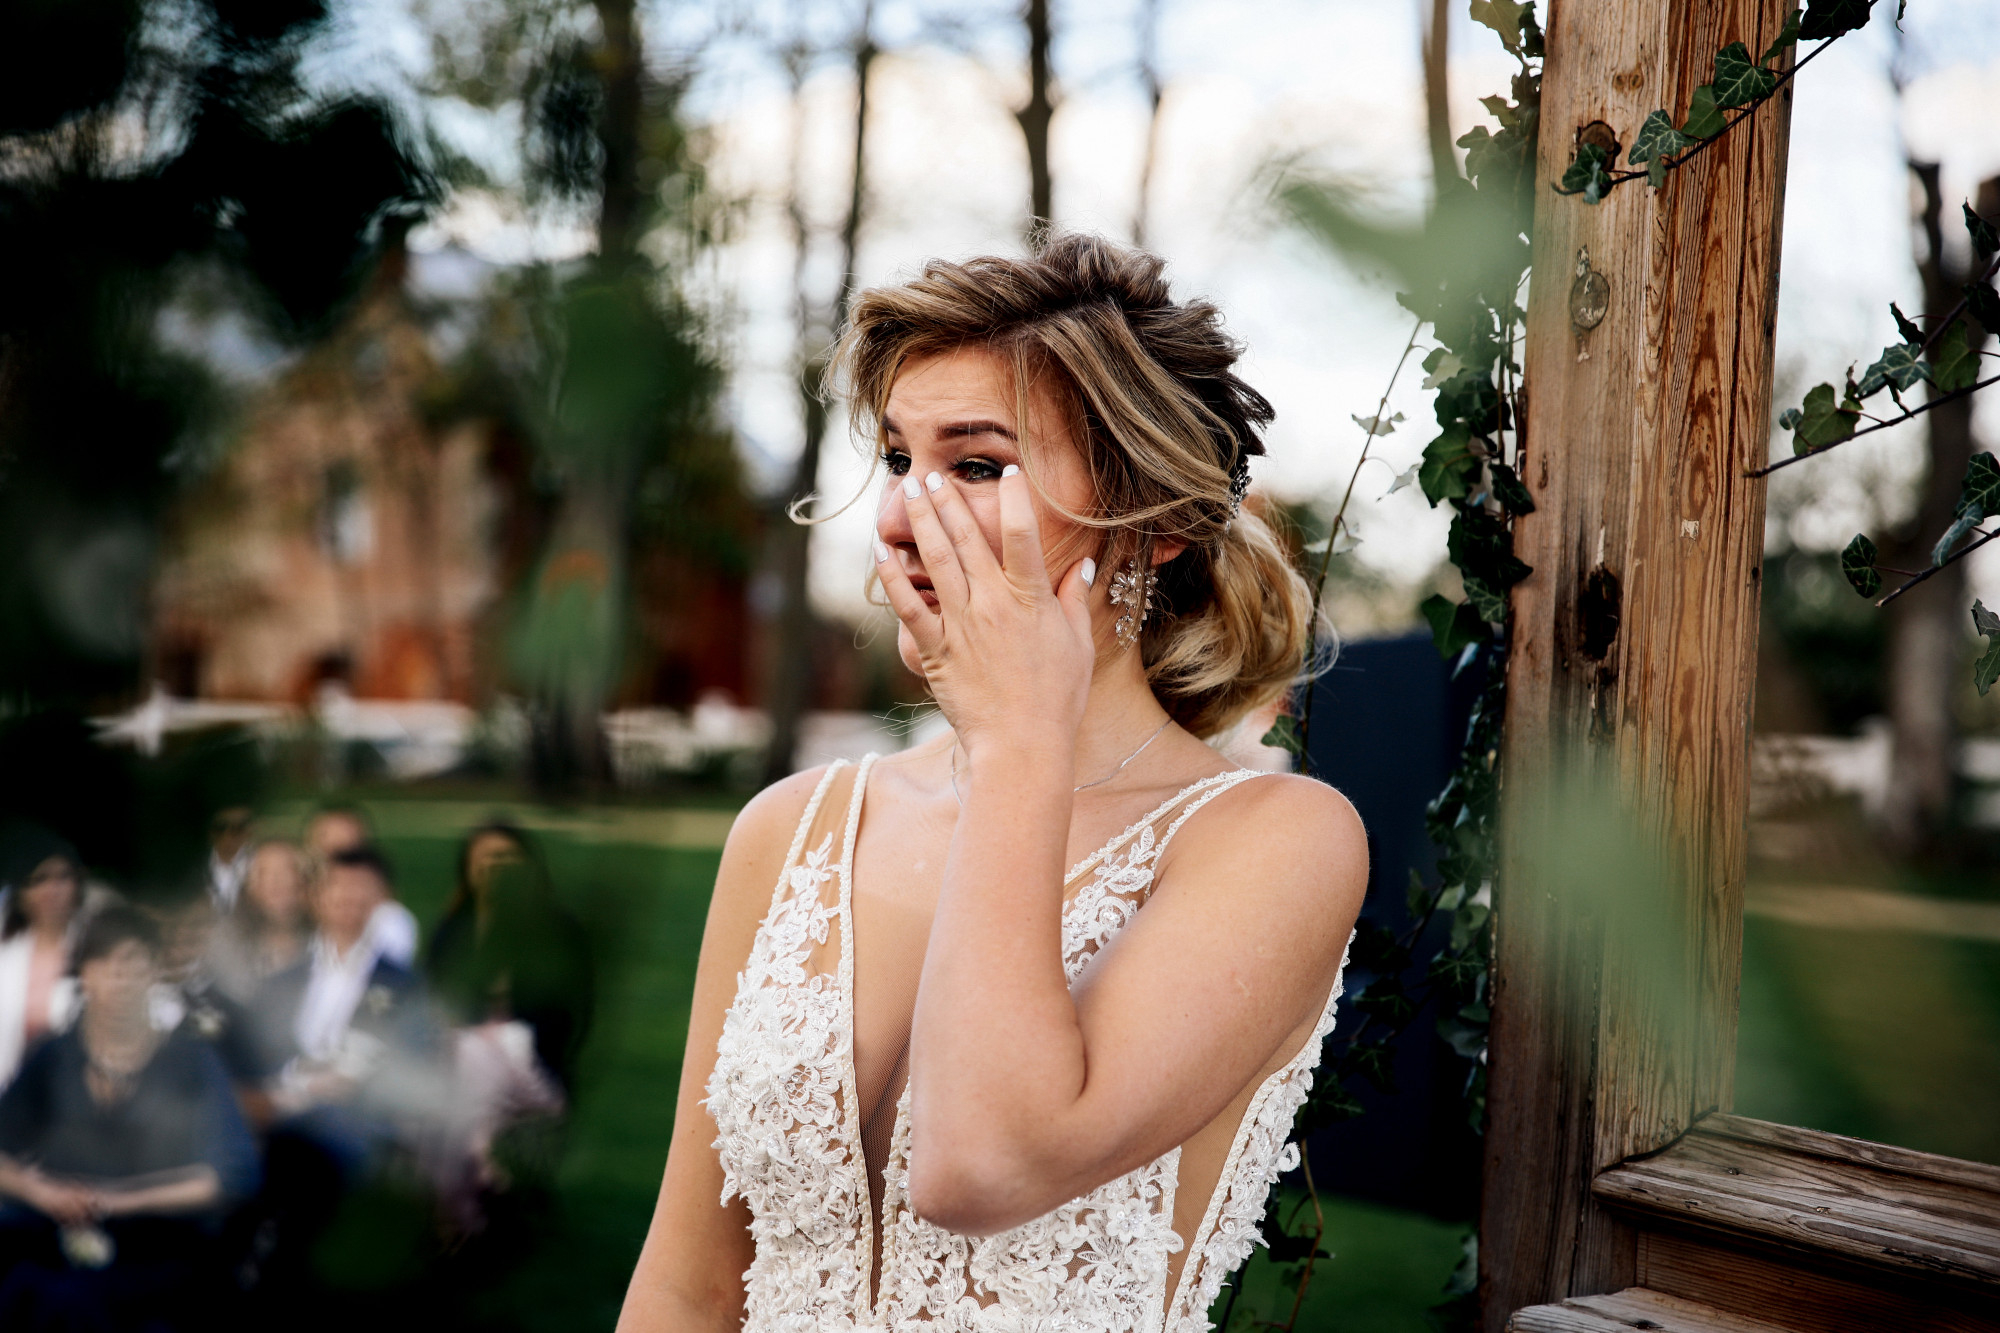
{"type": "Point", "coordinates": [877, 1226]}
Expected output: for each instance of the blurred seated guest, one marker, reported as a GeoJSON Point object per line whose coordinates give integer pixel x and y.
{"type": "Point", "coordinates": [267, 931]}
{"type": "Point", "coordinates": [506, 950]}
{"type": "Point", "coordinates": [37, 931]}
{"type": "Point", "coordinates": [335, 1014]}
{"type": "Point", "coordinates": [341, 828]}
{"type": "Point", "coordinates": [228, 855]}
{"type": "Point", "coordinates": [188, 996]}
{"type": "Point", "coordinates": [120, 1147]}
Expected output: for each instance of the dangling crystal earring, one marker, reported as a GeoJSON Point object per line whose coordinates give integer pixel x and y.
{"type": "Point", "coordinates": [1132, 588]}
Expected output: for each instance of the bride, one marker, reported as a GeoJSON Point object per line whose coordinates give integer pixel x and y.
{"type": "Point", "coordinates": [1007, 1031]}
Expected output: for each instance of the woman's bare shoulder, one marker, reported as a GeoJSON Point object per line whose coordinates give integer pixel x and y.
{"type": "Point", "coordinates": [761, 838]}
{"type": "Point", "coordinates": [1292, 833]}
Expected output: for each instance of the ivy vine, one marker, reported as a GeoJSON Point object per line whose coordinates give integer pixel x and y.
{"type": "Point", "coordinates": [1468, 297]}
{"type": "Point", "coordinates": [1740, 84]}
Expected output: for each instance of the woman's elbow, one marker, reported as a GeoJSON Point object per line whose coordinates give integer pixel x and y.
{"type": "Point", "coordinates": [971, 1194]}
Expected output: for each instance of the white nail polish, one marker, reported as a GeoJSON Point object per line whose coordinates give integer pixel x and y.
{"type": "Point", "coordinates": [933, 481]}
{"type": "Point", "coordinates": [910, 490]}
{"type": "Point", "coordinates": [1089, 571]}
{"type": "Point", "coordinates": [881, 552]}
{"type": "Point", "coordinates": [1010, 469]}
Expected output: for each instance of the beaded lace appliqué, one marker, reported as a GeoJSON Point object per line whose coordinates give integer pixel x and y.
{"type": "Point", "coordinates": [781, 1096]}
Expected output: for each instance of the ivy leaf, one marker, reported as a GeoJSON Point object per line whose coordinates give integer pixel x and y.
{"type": "Point", "coordinates": [1737, 81]}
{"type": "Point", "coordinates": [1454, 625]}
{"type": "Point", "coordinates": [1442, 365]}
{"type": "Point", "coordinates": [1987, 669]}
{"type": "Point", "coordinates": [1704, 120]}
{"type": "Point", "coordinates": [1984, 238]}
{"type": "Point", "coordinates": [1953, 535]}
{"type": "Point", "coordinates": [1491, 605]}
{"type": "Point", "coordinates": [1898, 366]}
{"type": "Point", "coordinates": [1981, 488]}
{"type": "Point", "coordinates": [1414, 895]}
{"type": "Point", "coordinates": [1820, 423]}
{"type": "Point", "coordinates": [1504, 17]}
{"type": "Point", "coordinates": [1831, 18]}
{"type": "Point", "coordinates": [1284, 735]}
{"type": "Point", "coordinates": [1954, 365]}
{"type": "Point", "coordinates": [1656, 142]}
{"type": "Point", "coordinates": [1407, 477]}
{"type": "Point", "coordinates": [1448, 465]}
{"type": "Point", "coordinates": [1589, 175]}
{"type": "Point", "coordinates": [1378, 425]}
{"type": "Point", "coordinates": [1501, 110]}
{"type": "Point", "coordinates": [1787, 36]}
{"type": "Point", "coordinates": [1984, 303]}
{"type": "Point", "coordinates": [1911, 333]}
{"type": "Point", "coordinates": [1531, 34]}
{"type": "Point", "coordinates": [1372, 1062]}
{"type": "Point", "coordinates": [1857, 562]}
{"type": "Point", "coordinates": [1509, 490]}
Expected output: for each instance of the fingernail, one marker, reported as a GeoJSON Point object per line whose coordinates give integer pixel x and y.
{"type": "Point", "coordinates": [1089, 571]}
{"type": "Point", "coordinates": [933, 481]}
{"type": "Point", "coordinates": [1010, 469]}
{"type": "Point", "coordinates": [881, 552]}
{"type": "Point", "coordinates": [910, 490]}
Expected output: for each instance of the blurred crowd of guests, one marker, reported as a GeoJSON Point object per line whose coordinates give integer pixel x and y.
{"type": "Point", "coordinates": [192, 1085]}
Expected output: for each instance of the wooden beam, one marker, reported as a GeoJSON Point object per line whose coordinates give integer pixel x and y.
{"type": "Point", "coordinates": [1648, 366]}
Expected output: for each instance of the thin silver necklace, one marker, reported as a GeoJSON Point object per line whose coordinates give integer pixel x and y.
{"type": "Point", "coordinates": [1094, 782]}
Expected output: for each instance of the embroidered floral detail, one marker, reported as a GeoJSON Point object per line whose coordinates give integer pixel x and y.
{"type": "Point", "coordinates": [1097, 1264]}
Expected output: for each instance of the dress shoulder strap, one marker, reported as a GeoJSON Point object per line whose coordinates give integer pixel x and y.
{"type": "Point", "coordinates": [807, 822]}
{"type": "Point", "coordinates": [1146, 828]}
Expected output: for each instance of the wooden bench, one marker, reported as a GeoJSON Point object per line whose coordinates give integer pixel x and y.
{"type": "Point", "coordinates": [1750, 1227]}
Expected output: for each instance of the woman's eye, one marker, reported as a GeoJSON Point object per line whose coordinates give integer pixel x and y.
{"type": "Point", "coordinates": [978, 469]}
{"type": "Point", "coordinates": [898, 462]}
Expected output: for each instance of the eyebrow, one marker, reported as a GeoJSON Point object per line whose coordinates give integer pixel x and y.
{"type": "Point", "coordinates": [958, 429]}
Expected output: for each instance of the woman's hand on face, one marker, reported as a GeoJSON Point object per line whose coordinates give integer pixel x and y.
{"type": "Point", "coordinates": [1007, 655]}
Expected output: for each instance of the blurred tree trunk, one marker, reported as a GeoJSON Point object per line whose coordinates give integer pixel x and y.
{"type": "Point", "coordinates": [791, 672]}
{"type": "Point", "coordinates": [1149, 78]}
{"type": "Point", "coordinates": [1437, 94]}
{"type": "Point", "coordinates": [1927, 626]}
{"type": "Point", "coordinates": [1035, 117]}
{"type": "Point", "coordinates": [620, 64]}
{"type": "Point", "coordinates": [581, 588]}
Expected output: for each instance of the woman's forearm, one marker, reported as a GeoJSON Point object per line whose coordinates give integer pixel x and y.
{"type": "Point", "coordinates": [997, 1054]}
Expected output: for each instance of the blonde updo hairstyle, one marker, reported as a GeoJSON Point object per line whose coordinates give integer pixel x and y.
{"type": "Point", "coordinates": [1166, 429]}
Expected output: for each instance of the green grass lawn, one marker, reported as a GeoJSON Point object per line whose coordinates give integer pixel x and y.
{"type": "Point", "coordinates": [1888, 1037]}
{"type": "Point", "coordinates": [645, 906]}
{"type": "Point", "coordinates": [1883, 1035]}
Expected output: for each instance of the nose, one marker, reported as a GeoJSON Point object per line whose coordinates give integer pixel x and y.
{"type": "Point", "coordinates": [892, 519]}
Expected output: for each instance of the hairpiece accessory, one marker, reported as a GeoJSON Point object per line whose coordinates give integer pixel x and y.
{"type": "Point", "coordinates": [1239, 483]}
{"type": "Point", "coordinates": [1132, 588]}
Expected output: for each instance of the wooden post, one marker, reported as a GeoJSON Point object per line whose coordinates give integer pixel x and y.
{"type": "Point", "coordinates": [1648, 366]}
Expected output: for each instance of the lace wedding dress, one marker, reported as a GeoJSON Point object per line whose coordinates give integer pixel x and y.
{"type": "Point", "coordinates": [784, 1101]}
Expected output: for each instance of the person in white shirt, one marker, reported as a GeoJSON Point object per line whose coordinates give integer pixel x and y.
{"type": "Point", "coordinates": [392, 927]}
{"type": "Point", "coordinates": [41, 922]}
{"type": "Point", "coordinates": [228, 855]}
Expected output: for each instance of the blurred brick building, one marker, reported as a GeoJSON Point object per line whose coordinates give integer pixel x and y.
{"type": "Point", "coordinates": [356, 533]}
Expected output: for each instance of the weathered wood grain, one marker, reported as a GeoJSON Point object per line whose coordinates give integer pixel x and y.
{"type": "Point", "coordinates": [1799, 1193]}
{"type": "Point", "coordinates": [1812, 1293]}
{"type": "Point", "coordinates": [1635, 1307]}
{"type": "Point", "coordinates": [1638, 431]}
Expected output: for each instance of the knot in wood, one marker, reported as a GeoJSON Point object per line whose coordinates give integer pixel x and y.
{"type": "Point", "coordinates": [1589, 295]}
{"type": "Point", "coordinates": [1597, 611]}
